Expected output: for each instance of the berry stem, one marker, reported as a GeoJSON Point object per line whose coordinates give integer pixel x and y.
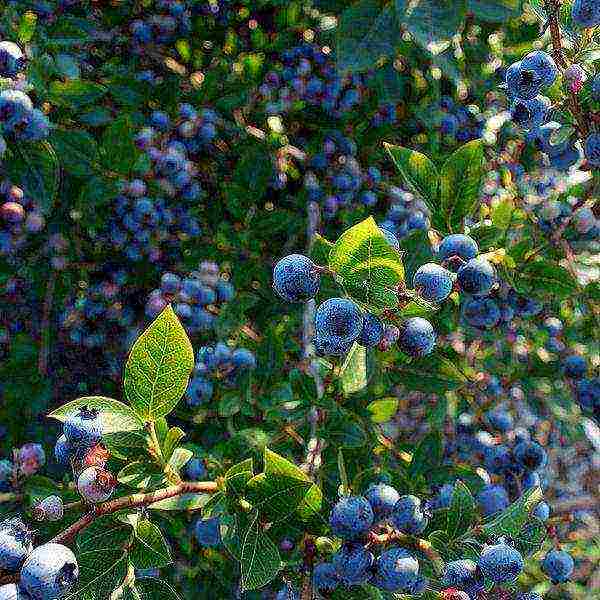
{"type": "Point", "coordinates": [134, 501]}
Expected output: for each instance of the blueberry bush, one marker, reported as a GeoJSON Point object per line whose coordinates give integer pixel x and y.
{"type": "Point", "coordinates": [299, 299]}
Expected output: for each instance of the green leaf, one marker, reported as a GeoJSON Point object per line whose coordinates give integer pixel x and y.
{"type": "Point", "coordinates": [365, 33]}
{"type": "Point", "coordinates": [418, 172]}
{"type": "Point", "coordinates": [353, 374]}
{"type": "Point", "coordinates": [159, 366]}
{"type": "Point", "coordinates": [238, 476]}
{"type": "Point", "coordinates": [150, 549]}
{"type": "Point", "coordinates": [35, 168]}
{"type": "Point", "coordinates": [141, 474]}
{"type": "Point", "coordinates": [27, 27]}
{"type": "Point", "coordinates": [383, 410]}
{"type": "Point", "coordinates": [229, 404]}
{"type": "Point", "coordinates": [511, 520]}
{"type": "Point", "coordinates": [75, 93]}
{"type": "Point", "coordinates": [543, 278]}
{"type": "Point", "coordinates": [531, 536]}
{"type": "Point", "coordinates": [502, 213]}
{"type": "Point", "coordinates": [102, 558]}
{"type": "Point", "coordinates": [495, 11]}
{"type": "Point", "coordinates": [119, 152]}
{"type": "Point", "coordinates": [320, 249]}
{"type": "Point", "coordinates": [259, 558]}
{"type": "Point", "coordinates": [369, 268]}
{"type": "Point", "coordinates": [114, 415]}
{"type": "Point", "coordinates": [460, 182]}
{"type": "Point", "coordinates": [461, 513]}
{"type": "Point", "coordinates": [435, 374]}
{"type": "Point", "coordinates": [432, 22]}
{"type": "Point", "coordinates": [282, 490]}
{"type": "Point", "coordinates": [184, 502]}
{"type": "Point", "coordinates": [77, 150]}
{"type": "Point", "coordinates": [180, 457]}
{"type": "Point", "coordinates": [149, 588]}
{"type": "Point", "coordinates": [427, 455]}
{"type": "Point", "coordinates": [173, 437]}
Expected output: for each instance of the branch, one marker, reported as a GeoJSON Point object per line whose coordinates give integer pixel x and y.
{"type": "Point", "coordinates": [134, 501]}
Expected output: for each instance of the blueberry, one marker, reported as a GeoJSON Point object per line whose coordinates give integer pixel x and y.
{"type": "Point", "coordinates": [432, 282]}
{"type": "Point", "coordinates": [523, 83]}
{"type": "Point", "coordinates": [566, 159]}
{"type": "Point", "coordinates": [286, 593]}
{"type": "Point", "coordinates": [351, 517]}
{"type": "Point", "coordinates": [498, 459]}
{"type": "Point", "coordinates": [476, 277]}
{"type": "Point", "coordinates": [542, 511]}
{"type": "Point", "coordinates": [382, 499]}
{"type": "Point", "coordinates": [558, 565]}
{"type": "Point", "coordinates": [96, 485]}
{"type": "Point", "coordinates": [531, 455]}
{"type": "Point", "coordinates": [29, 458]}
{"type": "Point", "coordinates": [12, 591]}
{"type": "Point", "coordinates": [15, 543]}
{"type": "Point", "coordinates": [6, 475]}
{"type": "Point", "coordinates": [501, 563]}
{"type": "Point", "coordinates": [588, 393]}
{"type": "Point", "coordinates": [529, 596]}
{"type": "Point", "coordinates": [575, 366]}
{"type": "Point", "coordinates": [371, 332]}
{"type": "Point", "coordinates": [417, 337]}
{"type": "Point", "coordinates": [241, 358]}
{"type": "Point", "coordinates": [296, 278]}
{"type": "Point", "coordinates": [408, 516]}
{"type": "Point", "coordinates": [63, 450]}
{"type": "Point", "coordinates": [554, 326]}
{"type": "Point", "coordinates": [457, 248]}
{"type": "Point", "coordinates": [325, 578]}
{"type": "Point", "coordinates": [500, 419]}
{"type": "Point", "coordinates": [195, 469]}
{"type": "Point", "coordinates": [83, 427]}
{"type": "Point", "coordinates": [493, 499]}
{"type": "Point", "coordinates": [339, 317]}
{"type": "Point", "coordinates": [465, 575]}
{"type": "Point", "coordinates": [49, 572]}
{"type": "Point", "coordinates": [12, 59]}
{"type": "Point", "coordinates": [530, 114]}
{"type": "Point", "coordinates": [352, 564]}
{"type": "Point", "coordinates": [586, 13]}
{"type": "Point", "coordinates": [50, 508]}
{"type": "Point", "coordinates": [396, 570]}
{"type": "Point", "coordinates": [208, 531]}
{"type": "Point", "coordinates": [530, 480]}
{"type": "Point", "coordinates": [482, 313]}
{"type": "Point", "coordinates": [592, 147]}
{"type": "Point", "coordinates": [543, 65]}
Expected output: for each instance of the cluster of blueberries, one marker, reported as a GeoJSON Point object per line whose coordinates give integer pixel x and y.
{"type": "Point", "coordinates": [586, 13]}
{"type": "Point", "coordinates": [360, 520]}
{"type": "Point", "coordinates": [525, 80]}
{"type": "Point", "coordinates": [405, 214]}
{"type": "Point", "coordinates": [336, 179]}
{"type": "Point", "coordinates": [586, 389]}
{"type": "Point", "coordinates": [145, 226]}
{"type": "Point", "coordinates": [556, 214]}
{"type": "Point", "coordinates": [47, 572]}
{"type": "Point", "coordinates": [80, 447]}
{"type": "Point", "coordinates": [195, 297]}
{"type": "Point", "coordinates": [460, 123]}
{"type": "Point", "coordinates": [19, 216]}
{"type": "Point", "coordinates": [340, 322]}
{"type": "Point", "coordinates": [165, 21]}
{"type": "Point", "coordinates": [308, 75]}
{"type": "Point", "coordinates": [27, 461]}
{"type": "Point", "coordinates": [100, 314]}
{"type": "Point", "coordinates": [18, 118]}
{"type": "Point", "coordinates": [217, 363]}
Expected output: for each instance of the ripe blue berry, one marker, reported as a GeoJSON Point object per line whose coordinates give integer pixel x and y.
{"type": "Point", "coordinates": [523, 83]}
{"type": "Point", "coordinates": [457, 248]}
{"type": "Point", "coordinates": [208, 531]}
{"type": "Point", "coordinates": [338, 324]}
{"type": "Point", "coordinates": [296, 278]}
{"type": "Point", "coordinates": [287, 593]}
{"type": "Point", "coordinates": [15, 543]}
{"type": "Point", "coordinates": [408, 516]}
{"type": "Point", "coordinates": [586, 13]}
{"type": "Point", "coordinates": [476, 277]}
{"type": "Point", "coordinates": [396, 570]}
{"type": "Point", "coordinates": [49, 572]}
{"type": "Point", "coordinates": [325, 578]}
{"type": "Point", "coordinates": [382, 499]}
{"type": "Point", "coordinates": [531, 455]}
{"type": "Point", "coordinates": [371, 332]}
{"type": "Point", "coordinates": [465, 575]}
{"type": "Point", "coordinates": [50, 508]}
{"type": "Point", "coordinates": [352, 564]}
{"type": "Point", "coordinates": [558, 565]}
{"type": "Point", "coordinates": [196, 469]}
{"type": "Point", "coordinates": [351, 517]}
{"type": "Point", "coordinates": [417, 337]}
{"type": "Point", "coordinates": [432, 282]}
{"type": "Point", "coordinates": [12, 59]}
{"type": "Point", "coordinates": [542, 511]}
{"type": "Point", "coordinates": [63, 450]}
{"type": "Point", "coordinates": [542, 64]}
{"type": "Point", "coordinates": [84, 427]}
{"type": "Point", "coordinates": [592, 149]}
{"type": "Point", "coordinates": [530, 114]}
{"type": "Point", "coordinates": [501, 563]}
{"type": "Point", "coordinates": [575, 366]}
{"type": "Point", "coordinates": [492, 499]}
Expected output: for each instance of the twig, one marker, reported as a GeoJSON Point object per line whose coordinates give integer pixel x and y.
{"type": "Point", "coordinates": [134, 501]}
